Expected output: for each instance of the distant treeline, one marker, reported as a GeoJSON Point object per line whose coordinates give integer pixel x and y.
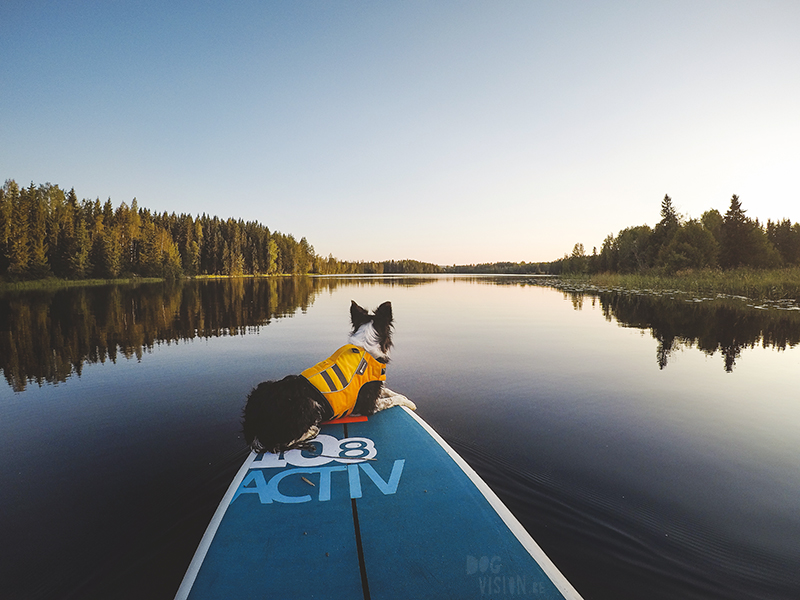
{"type": "Point", "coordinates": [510, 268]}
{"type": "Point", "coordinates": [675, 244]}
{"type": "Point", "coordinates": [47, 232]}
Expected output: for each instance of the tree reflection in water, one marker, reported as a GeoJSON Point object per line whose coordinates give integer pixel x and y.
{"type": "Point", "coordinates": [47, 336]}
{"type": "Point", "coordinates": [726, 326]}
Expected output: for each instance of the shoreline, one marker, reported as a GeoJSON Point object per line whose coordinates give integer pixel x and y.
{"type": "Point", "coordinates": [754, 284]}
{"type": "Point", "coordinates": [771, 284]}
{"type": "Point", "coordinates": [54, 283]}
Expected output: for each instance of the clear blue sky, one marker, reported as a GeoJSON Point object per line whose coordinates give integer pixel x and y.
{"type": "Point", "coordinates": [449, 132]}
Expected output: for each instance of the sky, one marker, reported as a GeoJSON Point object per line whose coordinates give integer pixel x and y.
{"type": "Point", "coordinates": [447, 132]}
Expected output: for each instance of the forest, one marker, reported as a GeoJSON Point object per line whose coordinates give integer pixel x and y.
{"type": "Point", "coordinates": [677, 244]}
{"type": "Point", "coordinates": [501, 268]}
{"type": "Point", "coordinates": [47, 232]}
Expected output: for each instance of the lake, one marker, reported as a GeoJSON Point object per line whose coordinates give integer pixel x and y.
{"type": "Point", "coordinates": [650, 443]}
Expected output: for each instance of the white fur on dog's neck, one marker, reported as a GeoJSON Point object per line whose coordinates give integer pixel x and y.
{"type": "Point", "coordinates": [366, 337]}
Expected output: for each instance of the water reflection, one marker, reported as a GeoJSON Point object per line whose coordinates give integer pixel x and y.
{"type": "Point", "coordinates": [638, 483]}
{"type": "Point", "coordinates": [723, 326]}
{"type": "Point", "coordinates": [677, 322]}
{"type": "Point", "coordinates": [46, 336]}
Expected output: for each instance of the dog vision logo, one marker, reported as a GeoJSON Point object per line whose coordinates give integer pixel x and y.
{"type": "Point", "coordinates": [493, 580]}
{"type": "Point", "coordinates": [272, 481]}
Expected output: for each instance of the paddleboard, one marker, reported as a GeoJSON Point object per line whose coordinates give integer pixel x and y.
{"type": "Point", "coordinates": [380, 508]}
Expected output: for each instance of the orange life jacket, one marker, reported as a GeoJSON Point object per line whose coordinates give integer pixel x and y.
{"type": "Point", "coordinates": [341, 376]}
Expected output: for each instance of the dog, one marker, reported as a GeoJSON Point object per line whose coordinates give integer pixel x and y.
{"type": "Point", "coordinates": [285, 414]}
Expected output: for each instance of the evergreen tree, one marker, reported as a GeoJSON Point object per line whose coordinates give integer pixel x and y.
{"type": "Point", "coordinates": [287, 254]}
{"type": "Point", "coordinates": [669, 216]}
{"type": "Point", "coordinates": [159, 256]}
{"type": "Point", "coordinates": [735, 232]}
{"type": "Point", "coordinates": [19, 254]}
{"type": "Point", "coordinates": [272, 256]}
{"type": "Point", "coordinates": [61, 261]}
{"type": "Point", "coordinates": [304, 256]}
{"type": "Point", "coordinates": [132, 236]}
{"type": "Point", "coordinates": [194, 250]}
{"type": "Point", "coordinates": [111, 252]}
{"type": "Point", "coordinates": [38, 266]}
{"type": "Point", "coordinates": [744, 242]}
{"type": "Point", "coordinates": [666, 228]}
{"type": "Point", "coordinates": [184, 239]}
{"type": "Point", "coordinates": [106, 241]}
{"type": "Point", "coordinates": [57, 224]}
{"type": "Point", "coordinates": [80, 247]}
{"type": "Point", "coordinates": [9, 198]}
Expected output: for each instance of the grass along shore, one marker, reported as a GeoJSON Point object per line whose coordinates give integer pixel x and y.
{"type": "Point", "coordinates": [54, 283]}
{"type": "Point", "coordinates": [757, 284]}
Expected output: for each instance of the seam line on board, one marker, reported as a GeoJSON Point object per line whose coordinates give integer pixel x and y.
{"type": "Point", "coordinates": [359, 548]}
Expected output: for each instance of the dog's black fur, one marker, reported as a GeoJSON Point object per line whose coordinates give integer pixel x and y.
{"type": "Point", "coordinates": [280, 415]}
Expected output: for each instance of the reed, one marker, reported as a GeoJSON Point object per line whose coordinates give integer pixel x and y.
{"type": "Point", "coordinates": [759, 284]}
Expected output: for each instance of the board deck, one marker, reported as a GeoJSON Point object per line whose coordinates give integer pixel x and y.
{"type": "Point", "coordinates": [384, 509]}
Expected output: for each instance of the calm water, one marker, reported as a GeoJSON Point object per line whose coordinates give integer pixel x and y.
{"type": "Point", "coordinates": [651, 445]}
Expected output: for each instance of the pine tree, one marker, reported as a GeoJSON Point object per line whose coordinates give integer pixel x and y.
{"type": "Point", "coordinates": [80, 247]}
{"type": "Point", "coordinates": [9, 197]}
{"type": "Point", "coordinates": [195, 249]}
{"type": "Point", "coordinates": [735, 232]}
{"type": "Point", "coordinates": [38, 267]}
{"type": "Point", "coordinates": [19, 255]}
{"type": "Point", "coordinates": [304, 256]}
{"type": "Point", "coordinates": [669, 217]}
{"type": "Point", "coordinates": [111, 252]}
{"type": "Point", "coordinates": [65, 219]}
{"type": "Point", "coordinates": [666, 228]}
{"type": "Point", "coordinates": [272, 256]}
{"type": "Point", "coordinates": [56, 202]}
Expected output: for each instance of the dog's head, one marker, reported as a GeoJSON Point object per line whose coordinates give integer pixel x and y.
{"type": "Point", "coordinates": [373, 332]}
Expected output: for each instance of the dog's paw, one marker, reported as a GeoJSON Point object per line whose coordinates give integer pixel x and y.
{"type": "Point", "coordinates": [401, 400]}
{"type": "Point", "coordinates": [312, 432]}
{"type": "Point", "coordinates": [390, 398]}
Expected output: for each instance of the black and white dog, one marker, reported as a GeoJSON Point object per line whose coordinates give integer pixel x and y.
{"type": "Point", "coordinates": [285, 414]}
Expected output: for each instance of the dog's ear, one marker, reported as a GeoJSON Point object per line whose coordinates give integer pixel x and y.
{"type": "Point", "coordinates": [358, 316]}
{"type": "Point", "coordinates": [384, 312]}
{"type": "Point", "coordinates": [382, 322]}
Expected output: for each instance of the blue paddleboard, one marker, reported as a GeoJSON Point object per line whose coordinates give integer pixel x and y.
{"type": "Point", "coordinates": [382, 508]}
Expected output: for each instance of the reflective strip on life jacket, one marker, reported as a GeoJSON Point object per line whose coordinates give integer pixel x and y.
{"type": "Point", "coordinates": [341, 376]}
